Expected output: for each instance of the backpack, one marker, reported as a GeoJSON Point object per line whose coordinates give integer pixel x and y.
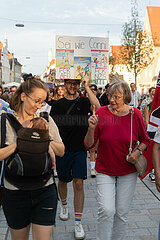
{"type": "Point", "coordinates": [29, 167]}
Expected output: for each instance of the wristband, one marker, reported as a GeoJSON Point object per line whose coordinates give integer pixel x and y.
{"type": "Point", "coordinates": [139, 150]}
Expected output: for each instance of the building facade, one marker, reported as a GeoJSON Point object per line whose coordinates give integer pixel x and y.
{"type": "Point", "coordinates": [5, 66]}
{"type": "Point", "coordinates": [10, 68]}
{"type": "Point", "coordinates": [148, 77]}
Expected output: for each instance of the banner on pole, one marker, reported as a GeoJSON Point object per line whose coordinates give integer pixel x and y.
{"type": "Point", "coordinates": [154, 122]}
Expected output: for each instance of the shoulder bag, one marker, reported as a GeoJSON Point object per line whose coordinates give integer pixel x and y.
{"type": "Point", "coordinates": [141, 164]}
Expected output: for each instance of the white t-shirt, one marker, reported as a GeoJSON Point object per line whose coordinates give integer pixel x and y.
{"type": "Point", "coordinates": [135, 97]}
{"type": "Point", "coordinates": [157, 135]}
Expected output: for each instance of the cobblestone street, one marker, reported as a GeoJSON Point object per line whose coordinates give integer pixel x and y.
{"type": "Point", "coordinates": [144, 215]}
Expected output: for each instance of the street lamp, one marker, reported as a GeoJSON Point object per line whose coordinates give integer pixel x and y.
{"type": "Point", "coordinates": [19, 25]}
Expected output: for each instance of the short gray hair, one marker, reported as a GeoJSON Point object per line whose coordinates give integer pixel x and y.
{"type": "Point", "coordinates": [123, 88]}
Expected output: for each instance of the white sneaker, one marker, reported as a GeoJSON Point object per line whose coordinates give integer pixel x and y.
{"type": "Point", "coordinates": [64, 213]}
{"type": "Point", "coordinates": [79, 232]}
{"type": "Point", "coordinates": [152, 177]}
{"type": "Point", "coordinates": [93, 172]}
{"type": "Point", "coordinates": [55, 173]}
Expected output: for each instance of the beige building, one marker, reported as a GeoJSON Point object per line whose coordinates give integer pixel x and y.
{"type": "Point", "coordinates": [10, 68]}
{"type": "Point", "coordinates": [4, 63]}
{"type": "Point", "coordinates": [148, 77]}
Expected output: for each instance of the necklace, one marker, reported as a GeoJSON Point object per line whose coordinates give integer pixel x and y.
{"type": "Point", "coordinates": [121, 112]}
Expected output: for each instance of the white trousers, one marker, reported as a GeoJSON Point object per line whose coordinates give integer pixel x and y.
{"type": "Point", "coordinates": [115, 195]}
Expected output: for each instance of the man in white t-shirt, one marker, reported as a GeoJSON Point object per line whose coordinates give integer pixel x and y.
{"type": "Point", "coordinates": [136, 97]}
{"type": "Point", "coordinates": [156, 162]}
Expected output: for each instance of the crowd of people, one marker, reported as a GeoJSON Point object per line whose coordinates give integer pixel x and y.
{"type": "Point", "coordinates": [91, 121]}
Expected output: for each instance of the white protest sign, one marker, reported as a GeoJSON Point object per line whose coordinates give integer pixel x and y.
{"type": "Point", "coordinates": [79, 56]}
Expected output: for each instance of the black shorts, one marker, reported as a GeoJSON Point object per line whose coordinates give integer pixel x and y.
{"type": "Point", "coordinates": [72, 165]}
{"type": "Point", "coordinates": [24, 207]}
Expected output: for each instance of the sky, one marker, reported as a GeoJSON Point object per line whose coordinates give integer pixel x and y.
{"type": "Point", "coordinates": [43, 20]}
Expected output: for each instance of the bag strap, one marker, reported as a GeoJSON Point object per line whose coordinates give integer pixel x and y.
{"type": "Point", "coordinates": [130, 146]}
{"type": "Point", "coordinates": [72, 106]}
{"type": "Point", "coordinates": [3, 129]}
{"type": "Point", "coordinates": [3, 138]}
{"type": "Point", "coordinates": [13, 121]}
{"type": "Point", "coordinates": [15, 124]}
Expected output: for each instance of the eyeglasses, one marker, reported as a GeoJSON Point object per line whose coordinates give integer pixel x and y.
{"type": "Point", "coordinates": [36, 102]}
{"type": "Point", "coordinates": [115, 98]}
{"type": "Point", "coordinates": [72, 83]}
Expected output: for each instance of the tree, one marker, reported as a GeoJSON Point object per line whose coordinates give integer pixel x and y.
{"type": "Point", "coordinates": [137, 45]}
{"type": "Point", "coordinates": [52, 75]}
{"type": "Point", "coordinates": [112, 63]}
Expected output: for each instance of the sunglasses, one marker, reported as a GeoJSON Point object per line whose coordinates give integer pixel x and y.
{"type": "Point", "coordinates": [72, 83]}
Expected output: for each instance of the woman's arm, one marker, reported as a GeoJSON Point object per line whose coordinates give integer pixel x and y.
{"type": "Point", "coordinates": [58, 148]}
{"type": "Point", "coordinates": [56, 141]}
{"type": "Point", "coordinates": [156, 163]}
{"type": "Point", "coordinates": [143, 138]}
{"type": "Point", "coordinates": [89, 138]}
{"type": "Point", "coordinates": [146, 116]}
{"type": "Point", "coordinates": [92, 98]}
{"type": "Point", "coordinates": [133, 157]}
{"type": "Point", "coordinates": [7, 151]}
{"type": "Point", "coordinates": [52, 156]}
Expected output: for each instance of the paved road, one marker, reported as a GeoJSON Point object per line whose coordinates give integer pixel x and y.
{"type": "Point", "coordinates": [144, 215]}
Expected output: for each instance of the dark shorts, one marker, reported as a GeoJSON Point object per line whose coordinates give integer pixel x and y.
{"type": "Point", "coordinates": [24, 207]}
{"type": "Point", "coordinates": [72, 165]}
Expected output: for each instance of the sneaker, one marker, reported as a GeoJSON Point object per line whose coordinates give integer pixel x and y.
{"type": "Point", "coordinates": [78, 230]}
{"type": "Point", "coordinates": [64, 213]}
{"type": "Point", "coordinates": [93, 172]}
{"type": "Point", "coordinates": [152, 177]}
{"type": "Point", "coordinates": [55, 173]}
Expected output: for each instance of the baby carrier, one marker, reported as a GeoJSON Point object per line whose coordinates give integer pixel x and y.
{"type": "Point", "coordinates": [29, 167]}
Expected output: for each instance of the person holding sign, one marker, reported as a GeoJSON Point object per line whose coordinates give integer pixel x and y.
{"type": "Point", "coordinates": [116, 175]}
{"type": "Point", "coordinates": [71, 116]}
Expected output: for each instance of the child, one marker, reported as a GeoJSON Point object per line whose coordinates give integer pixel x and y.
{"type": "Point", "coordinates": [41, 124]}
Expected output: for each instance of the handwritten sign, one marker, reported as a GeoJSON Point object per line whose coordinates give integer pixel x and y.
{"type": "Point", "coordinates": [77, 56]}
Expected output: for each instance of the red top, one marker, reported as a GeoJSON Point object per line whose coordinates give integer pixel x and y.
{"type": "Point", "coordinates": [114, 133]}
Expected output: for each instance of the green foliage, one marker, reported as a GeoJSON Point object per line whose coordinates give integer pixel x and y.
{"type": "Point", "coordinates": [137, 45]}
{"type": "Point", "coordinates": [112, 61]}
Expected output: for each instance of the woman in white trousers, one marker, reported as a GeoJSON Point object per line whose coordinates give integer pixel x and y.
{"type": "Point", "coordinates": [116, 173]}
